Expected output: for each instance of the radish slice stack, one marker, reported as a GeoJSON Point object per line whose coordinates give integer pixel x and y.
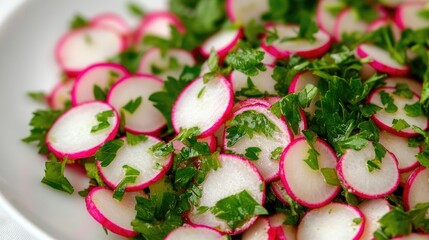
{"type": "Point", "coordinates": [191, 232]}
{"type": "Point", "coordinates": [381, 60]}
{"type": "Point", "coordinates": [373, 210]}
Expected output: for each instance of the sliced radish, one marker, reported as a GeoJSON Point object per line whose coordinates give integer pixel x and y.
{"type": "Point", "coordinates": [203, 105]}
{"type": "Point", "coordinates": [268, 58]}
{"type": "Point", "coordinates": [80, 48]}
{"type": "Point", "coordinates": [399, 147]}
{"type": "Point", "coordinates": [244, 11]}
{"type": "Point", "coordinates": [404, 177]}
{"type": "Point", "coordinates": [260, 230]}
{"type": "Point", "coordinates": [263, 81]}
{"type": "Point", "coordinates": [250, 102]}
{"type": "Point", "coordinates": [138, 157]}
{"type": "Point", "coordinates": [104, 209]}
{"type": "Point", "coordinates": [354, 173]}
{"type": "Point", "coordinates": [383, 22]}
{"type": "Point", "coordinates": [71, 136]}
{"type": "Point", "coordinates": [283, 232]}
{"type": "Point", "coordinates": [373, 210]}
{"type": "Point", "coordinates": [301, 47]}
{"type": "Point", "coordinates": [281, 137]}
{"type": "Point", "coordinates": [194, 232]}
{"type": "Point", "coordinates": [367, 72]}
{"type": "Point", "coordinates": [153, 62]}
{"type": "Point", "coordinates": [384, 120]}
{"type": "Point", "coordinates": [413, 236]}
{"type": "Point", "coordinates": [61, 95]}
{"type": "Point", "coordinates": [235, 175]}
{"type": "Point", "coordinates": [325, 20]}
{"type": "Point", "coordinates": [412, 84]}
{"type": "Point", "coordinates": [222, 42]}
{"type": "Point", "coordinates": [299, 82]}
{"type": "Point", "coordinates": [113, 21]}
{"type": "Point", "coordinates": [331, 222]}
{"type": "Point", "coordinates": [280, 191]}
{"type": "Point", "coordinates": [210, 140]}
{"type": "Point", "coordinates": [101, 75]}
{"type": "Point", "coordinates": [146, 119]}
{"type": "Point", "coordinates": [407, 16]}
{"type": "Point", "coordinates": [314, 191]}
{"type": "Point", "coordinates": [416, 189]}
{"type": "Point", "coordinates": [381, 60]}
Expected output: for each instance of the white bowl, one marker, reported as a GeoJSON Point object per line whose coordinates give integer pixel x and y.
{"type": "Point", "coordinates": [27, 40]}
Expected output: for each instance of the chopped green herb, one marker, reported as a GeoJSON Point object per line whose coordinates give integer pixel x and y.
{"type": "Point", "coordinates": [330, 176]}
{"type": "Point", "coordinates": [246, 60]}
{"type": "Point", "coordinates": [423, 158]}
{"type": "Point", "coordinates": [369, 109]}
{"type": "Point", "coordinates": [252, 153]}
{"type": "Point", "coordinates": [184, 176]}
{"type": "Point", "coordinates": [99, 94]}
{"type": "Point", "coordinates": [311, 159]}
{"type": "Point", "coordinates": [307, 28]}
{"type": "Point", "coordinates": [78, 22]}
{"type": "Point", "coordinates": [414, 110]}
{"type": "Point", "coordinates": [357, 221]}
{"type": "Point", "coordinates": [103, 120]}
{"type": "Point", "coordinates": [399, 124]}
{"type": "Point", "coordinates": [403, 91]}
{"type": "Point", "coordinates": [136, 10]}
{"type": "Point", "coordinates": [276, 153]}
{"type": "Point", "coordinates": [107, 153]}
{"type": "Point", "coordinates": [133, 140]}
{"type": "Point", "coordinates": [372, 165]}
{"type": "Point", "coordinates": [250, 91]}
{"type": "Point", "coordinates": [201, 92]}
{"type": "Point", "coordinates": [388, 102]}
{"type": "Point", "coordinates": [133, 105]}
{"type": "Point", "coordinates": [54, 176]}
{"type": "Point", "coordinates": [37, 96]}
{"type": "Point", "coordinates": [131, 175]}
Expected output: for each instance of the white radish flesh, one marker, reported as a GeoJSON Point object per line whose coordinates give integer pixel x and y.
{"type": "Point", "coordinates": [416, 189]}
{"type": "Point", "coordinates": [283, 232]}
{"type": "Point", "coordinates": [244, 11]}
{"type": "Point", "coordinates": [407, 15]}
{"type": "Point", "coordinates": [189, 232]}
{"type": "Point", "coordinates": [203, 105]}
{"type": "Point", "coordinates": [324, 18]}
{"type": "Point", "coordinates": [146, 119]}
{"type": "Point", "coordinates": [71, 137]}
{"type": "Point", "coordinates": [354, 173]}
{"type": "Point", "coordinates": [263, 81]}
{"type": "Point", "coordinates": [414, 85]}
{"type": "Point", "coordinates": [280, 191]}
{"type": "Point", "coordinates": [335, 221]}
{"type": "Point", "coordinates": [113, 21]}
{"type": "Point", "coordinates": [381, 60]}
{"type": "Point", "coordinates": [222, 42]}
{"type": "Point", "coordinates": [268, 58]}
{"type": "Point", "coordinates": [299, 82]}
{"type": "Point", "coordinates": [413, 236]}
{"type": "Point", "coordinates": [260, 230]}
{"type": "Point", "coordinates": [250, 102]}
{"type": "Point", "coordinates": [61, 95]}
{"type": "Point", "coordinates": [373, 210]}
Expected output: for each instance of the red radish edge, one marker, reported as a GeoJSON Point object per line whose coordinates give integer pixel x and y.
{"type": "Point", "coordinates": [223, 51]}
{"type": "Point", "coordinates": [51, 97]}
{"type": "Point", "coordinates": [102, 17]}
{"type": "Point", "coordinates": [408, 185]}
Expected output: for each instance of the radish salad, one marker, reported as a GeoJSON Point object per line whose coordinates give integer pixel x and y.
{"type": "Point", "coordinates": [245, 119]}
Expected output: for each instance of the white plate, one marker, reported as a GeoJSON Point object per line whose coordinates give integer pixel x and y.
{"type": "Point", "coordinates": [27, 40]}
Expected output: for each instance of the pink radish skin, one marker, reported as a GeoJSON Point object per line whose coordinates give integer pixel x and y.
{"type": "Point", "coordinates": [280, 191]}
{"type": "Point", "coordinates": [260, 230]}
{"type": "Point", "coordinates": [373, 210]}
{"type": "Point", "coordinates": [210, 140]}
{"type": "Point", "coordinates": [404, 177]}
{"type": "Point", "coordinates": [414, 85]}
{"type": "Point", "coordinates": [407, 16]}
{"type": "Point", "coordinates": [104, 208]}
{"type": "Point", "coordinates": [263, 81]}
{"type": "Point", "coordinates": [353, 173]}
{"type": "Point", "coordinates": [325, 20]}
{"type": "Point", "coordinates": [73, 53]}
{"type": "Point", "coordinates": [146, 119]}
{"type": "Point", "coordinates": [245, 11]}
{"type": "Point", "coordinates": [138, 156]}
{"type": "Point", "coordinates": [315, 192]}
{"type": "Point", "coordinates": [113, 21]}
{"type": "Point", "coordinates": [382, 22]}
{"type": "Point", "coordinates": [413, 236]}
{"type": "Point", "coordinates": [416, 189]}
{"type": "Point", "coordinates": [222, 42]}
{"type": "Point", "coordinates": [250, 102]}
{"type": "Point", "coordinates": [104, 75]}
{"type": "Point", "coordinates": [235, 175]}
{"type": "Point", "coordinates": [381, 60]}
{"type": "Point", "coordinates": [302, 48]}
{"type": "Point", "coordinates": [195, 232]}
{"type": "Point", "coordinates": [70, 136]}
{"type": "Point", "coordinates": [331, 222]}
{"type": "Point", "coordinates": [299, 82]}
{"type": "Point", "coordinates": [283, 232]}
{"type": "Point", "coordinates": [384, 120]}
{"type": "Point", "coordinates": [60, 95]}
{"type": "Point", "coordinates": [268, 58]}
{"type": "Point", "coordinates": [209, 111]}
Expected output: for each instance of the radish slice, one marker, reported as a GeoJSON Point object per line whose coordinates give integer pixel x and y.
{"type": "Point", "coordinates": [314, 192]}
{"type": "Point", "coordinates": [203, 105]}
{"type": "Point", "coordinates": [416, 189]}
{"type": "Point", "coordinates": [414, 85]}
{"type": "Point", "coordinates": [367, 71]}
{"type": "Point", "coordinates": [383, 22]}
{"type": "Point", "coordinates": [381, 60]}
{"type": "Point", "coordinates": [153, 62]}
{"type": "Point", "coordinates": [260, 230]}
{"type": "Point", "coordinates": [188, 232]}
{"type": "Point", "coordinates": [384, 120]}
{"type": "Point", "coordinates": [80, 48]}
{"type": "Point", "coordinates": [399, 147]}
{"type": "Point", "coordinates": [325, 20]}
{"type": "Point", "coordinates": [263, 81]}
{"type": "Point", "coordinates": [102, 75]}
{"type": "Point", "coordinates": [222, 42]}
{"type": "Point", "coordinates": [281, 137]}
{"type": "Point", "coordinates": [61, 95]}
{"type": "Point", "coordinates": [113, 21]}
{"type": "Point", "coordinates": [104, 209]}
{"type": "Point", "coordinates": [146, 119]}
{"type": "Point", "coordinates": [407, 16]}
{"type": "Point", "coordinates": [250, 102]}
{"type": "Point", "coordinates": [413, 236]}
{"type": "Point", "coordinates": [373, 210]}
{"type": "Point", "coordinates": [268, 58]}
{"type": "Point", "coordinates": [280, 191]}
{"type": "Point", "coordinates": [71, 137]}
{"type": "Point", "coordinates": [331, 222]}
{"type": "Point", "coordinates": [235, 175]}
{"type": "Point", "coordinates": [299, 82]}
{"type": "Point", "coordinates": [354, 174]}
{"type": "Point", "coordinates": [301, 47]}
{"type": "Point", "coordinates": [210, 140]}
{"type": "Point", "coordinates": [404, 177]}
{"type": "Point", "coordinates": [283, 232]}
{"type": "Point", "coordinates": [138, 157]}
{"type": "Point", "coordinates": [244, 11]}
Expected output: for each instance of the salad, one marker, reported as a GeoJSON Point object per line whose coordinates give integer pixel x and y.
{"type": "Point", "coordinates": [256, 119]}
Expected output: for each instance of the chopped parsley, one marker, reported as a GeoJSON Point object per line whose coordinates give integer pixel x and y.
{"type": "Point", "coordinates": [399, 124]}
{"type": "Point", "coordinates": [136, 10]}
{"type": "Point", "coordinates": [132, 105]}
{"type": "Point", "coordinates": [252, 153]}
{"type": "Point", "coordinates": [54, 175]}
{"type": "Point", "coordinates": [133, 140]}
{"type": "Point", "coordinates": [107, 153]}
{"type": "Point", "coordinates": [39, 97]}
{"type": "Point", "coordinates": [414, 110]}
{"type": "Point", "coordinates": [388, 102]}
{"type": "Point", "coordinates": [330, 176]}
{"type": "Point", "coordinates": [103, 120]}
{"type": "Point", "coordinates": [131, 175]}
{"type": "Point", "coordinates": [246, 60]}
{"type": "Point", "coordinates": [276, 153]}
{"type": "Point", "coordinates": [99, 94]}
{"type": "Point", "coordinates": [78, 22]}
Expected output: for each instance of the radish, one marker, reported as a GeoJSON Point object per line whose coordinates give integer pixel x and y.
{"type": "Point", "coordinates": [114, 215]}
{"type": "Point", "coordinates": [280, 191]}
{"type": "Point", "coordinates": [210, 140]}
{"type": "Point", "coordinates": [80, 48]}
{"type": "Point", "coordinates": [143, 117]}
{"type": "Point", "coordinates": [262, 82]}
{"type": "Point", "coordinates": [301, 47]}
{"type": "Point", "coordinates": [403, 178]}
{"type": "Point", "coordinates": [367, 72]}
{"type": "Point", "coordinates": [244, 11]}
{"type": "Point", "coordinates": [99, 76]}
{"type": "Point", "coordinates": [354, 173]}
{"type": "Point", "coordinates": [413, 236]}
{"type": "Point", "coordinates": [416, 189]}
{"type": "Point", "coordinates": [139, 157]}
{"type": "Point", "coordinates": [383, 22]}
{"type": "Point", "coordinates": [399, 147]}
{"type": "Point", "coordinates": [385, 120]}
{"type": "Point", "coordinates": [412, 84]}
{"type": "Point", "coordinates": [235, 175]}
{"type": "Point", "coordinates": [250, 102]}
{"type": "Point", "coordinates": [381, 60]}
{"type": "Point", "coordinates": [299, 82]}
{"type": "Point", "coordinates": [222, 42]}
{"type": "Point", "coordinates": [153, 62]}
{"type": "Point", "coordinates": [407, 16]}
{"type": "Point", "coordinates": [373, 210]}
{"type": "Point", "coordinates": [325, 20]}
{"type": "Point", "coordinates": [268, 58]}
{"type": "Point", "coordinates": [331, 222]}
{"type": "Point", "coordinates": [80, 131]}
{"type": "Point", "coordinates": [61, 95]}
{"type": "Point", "coordinates": [203, 105]}
{"type": "Point", "coordinates": [283, 232]}
{"type": "Point", "coordinates": [260, 230]}
{"type": "Point", "coordinates": [266, 160]}
{"type": "Point", "coordinates": [113, 21]}
{"type": "Point", "coordinates": [314, 191]}
{"type": "Point", "coordinates": [194, 232]}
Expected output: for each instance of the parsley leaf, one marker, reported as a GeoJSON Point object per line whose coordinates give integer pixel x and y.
{"type": "Point", "coordinates": [276, 153]}
{"type": "Point", "coordinates": [136, 10]}
{"type": "Point", "coordinates": [394, 223]}
{"type": "Point", "coordinates": [132, 105]}
{"type": "Point", "coordinates": [414, 110]}
{"type": "Point", "coordinates": [129, 58]}
{"type": "Point", "coordinates": [99, 94]}
{"type": "Point", "coordinates": [54, 176]}
{"type": "Point", "coordinates": [252, 153]}
{"type": "Point", "coordinates": [388, 102]}
{"type": "Point", "coordinates": [250, 91]}
{"type": "Point", "coordinates": [39, 97]}
{"type": "Point", "coordinates": [133, 140]}
{"type": "Point", "coordinates": [78, 22]}
{"type": "Point", "coordinates": [103, 120]}
{"type": "Point", "coordinates": [423, 158]}
{"type": "Point", "coordinates": [246, 60]}
{"type": "Point", "coordinates": [403, 91]}
{"type": "Point", "coordinates": [399, 124]}
{"type": "Point", "coordinates": [307, 28]}
{"type": "Point", "coordinates": [107, 153]}
{"type": "Point", "coordinates": [330, 176]}
{"type": "Point", "coordinates": [369, 109]}
{"type": "Point", "coordinates": [131, 175]}
{"type": "Point", "coordinates": [184, 175]}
